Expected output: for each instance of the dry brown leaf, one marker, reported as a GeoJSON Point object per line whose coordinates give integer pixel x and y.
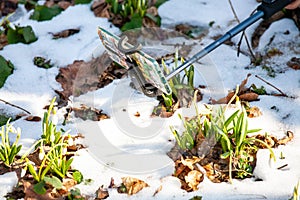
{"type": "Point", "coordinates": [87, 113]}
{"type": "Point", "coordinates": [189, 162]}
{"type": "Point", "coordinates": [65, 33]}
{"type": "Point", "coordinates": [133, 185]}
{"type": "Point", "coordinates": [102, 193]}
{"type": "Point", "coordinates": [64, 4]}
{"type": "Point", "coordinates": [31, 195]}
{"type": "Point", "coordinates": [272, 141]}
{"type": "Point", "coordinates": [289, 136]}
{"type": "Point", "coordinates": [254, 112]}
{"type": "Point", "coordinates": [68, 183]}
{"type": "Point", "coordinates": [251, 96]}
{"type": "Point", "coordinates": [101, 9]}
{"type": "Point", "coordinates": [243, 94]}
{"type": "Point", "coordinates": [33, 118]}
{"type": "Point", "coordinates": [224, 100]}
{"type": "Point", "coordinates": [294, 63]}
{"type": "Point", "coordinates": [193, 179]}
{"type": "Point", "coordinates": [157, 191]}
{"type": "Point", "coordinates": [112, 183]}
{"type": "Point", "coordinates": [80, 77]}
{"type": "Point", "coordinates": [242, 87]}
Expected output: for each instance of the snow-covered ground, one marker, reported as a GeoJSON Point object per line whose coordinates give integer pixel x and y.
{"type": "Point", "coordinates": [125, 145]}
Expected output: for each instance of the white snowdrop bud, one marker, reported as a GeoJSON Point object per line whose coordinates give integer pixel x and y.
{"type": "Point", "coordinates": [54, 119]}
{"type": "Point", "coordinates": [23, 172]}
{"type": "Point", "coordinates": [271, 162]}
{"type": "Point", "coordinates": [70, 141]}
{"type": "Point", "coordinates": [52, 138]}
{"type": "Point", "coordinates": [41, 155]}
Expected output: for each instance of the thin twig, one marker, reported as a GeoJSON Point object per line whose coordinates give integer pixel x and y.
{"type": "Point", "coordinates": [282, 93]}
{"type": "Point", "coordinates": [15, 106]}
{"type": "Point", "coordinates": [243, 34]}
{"type": "Point", "coordinates": [283, 166]}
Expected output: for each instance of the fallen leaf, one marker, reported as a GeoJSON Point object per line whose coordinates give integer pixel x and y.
{"type": "Point", "coordinates": [223, 100]}
{"type": "Point", "coordinates": [274, 142]}
{"type": "Point", "coordinates": [254, 112]}
{"type": "Point", "coordinates": [87, 113]}
{"type": "Point", "coordinates": [68, 183]}
{"type": "Point", "coordinates": [31, 195]}
{"type": "Point", "coordinates": [81, 77]}
{"type": "Point", "coordinates": [189, 162]}
{"type": "Point", "coordinates": [289, 136]}
{"type": "Point", "coordinates": [133, 185]}
{"type": "Point", "coordinates": [251, 96]}
{"type": "Point", "coordinates": [64, 4]}
{"type": "Point", "coordinates": [157, 191]}
{"type": "Point", "coordinates": [65, 33]}
{"type": "Point", "coordinates": [193, 179]}
{"type": "Point", "coordinates": [242, 86]}
{"type": "Point", "coordinates": [244, 94]}
{"type": "Point", "coordinates": [101, 9]}
{"type": "Point", "coordinates": [101, 193]}
{"type": "Point", "coordinates": [112, 183]}
{"type": "Point", "coordinates": [33, 118]}
{"type": "Point", "coordinates": [294, 63]}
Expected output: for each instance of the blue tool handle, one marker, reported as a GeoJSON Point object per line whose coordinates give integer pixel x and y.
{"type": "Point", "coordinates": [270, 7]}
{"type": "Point", "coordinates": [265, 10]}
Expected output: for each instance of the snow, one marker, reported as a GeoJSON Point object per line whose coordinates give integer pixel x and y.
{"type": "Point", "coordinates": [7, 182]}
{"type": "Point", "coordinates": [126, 145]}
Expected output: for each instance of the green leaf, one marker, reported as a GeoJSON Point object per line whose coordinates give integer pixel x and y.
{"type": "Point", "coordinates": [68, 164]}
{"type": "Point", "coordinates": [82, 1]}
{"type": "Point", "coordinates": [6, 68]}
{"type": "Point", "coordinates": [159, 3]}
{"type": "Point", "coordinates": [254, 130]}
{"type": "Point", "coordinates": [230, 119]}
{"type": "Point", "coordinates": [77, 176]}
{"type": "Point", "coordinates": [225, 155]}
{"type": "Point", "coordinates": [12, 154]}
{"type": "Point", "coordinates": [189, 141]}
{"type": "Point", "coordinates": [21, 34]}
{"type": "Point", "coordinates": [3, 118]}
{"type": "Point", "coordinates": [39, 188]}
{"type": "Point", "coordinates": [135, 22]}
{"type": "Point", "coordinates": [32, 171]}
{"type": "Point", "coordinates": [44, 13]}
{"type": "Point", "coordinates": [28, 35]}
{"type": "Point", "coordinates": [14, 37]}
{"type": "Point", "coordinates": [2, 156]}
{"type": "Point", "coordinates": [54, 181]}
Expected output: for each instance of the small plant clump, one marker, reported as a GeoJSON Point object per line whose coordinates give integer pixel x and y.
{"type": "Point", "coordinates": [183, 91]}
{"type": "Point", "coordinates": [49, 164]}
{"type": "Point", "coordinates": [15, 34]}
{"type": "Point", "coordinates": [9, 151]}
{"type": "Point", "coordinates": [55, 162]}
{"type": "Point", "coordinates": [130, 14]}
{"type": "Point", "coordinates": [226, 141]}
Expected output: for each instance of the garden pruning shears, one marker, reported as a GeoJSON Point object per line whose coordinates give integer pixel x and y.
{"type": "Point", "coordinates": [146, 73]}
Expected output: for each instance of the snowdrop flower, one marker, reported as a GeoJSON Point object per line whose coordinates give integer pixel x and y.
{"type": "Point", "coordinates": [271, 162]}
{"type": "Point", "coordinates": [52, 138]}
{"type": "Point", "coordinates": [64, 150]}
{"type": "Point", "coordinates": [41, 154]}
{"type": "Point", "coordinates": [23, 172]}
{"type": "Point", "coordinates": [54, 119]}
{"type": "Point", "coordinates": [70, 141]}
